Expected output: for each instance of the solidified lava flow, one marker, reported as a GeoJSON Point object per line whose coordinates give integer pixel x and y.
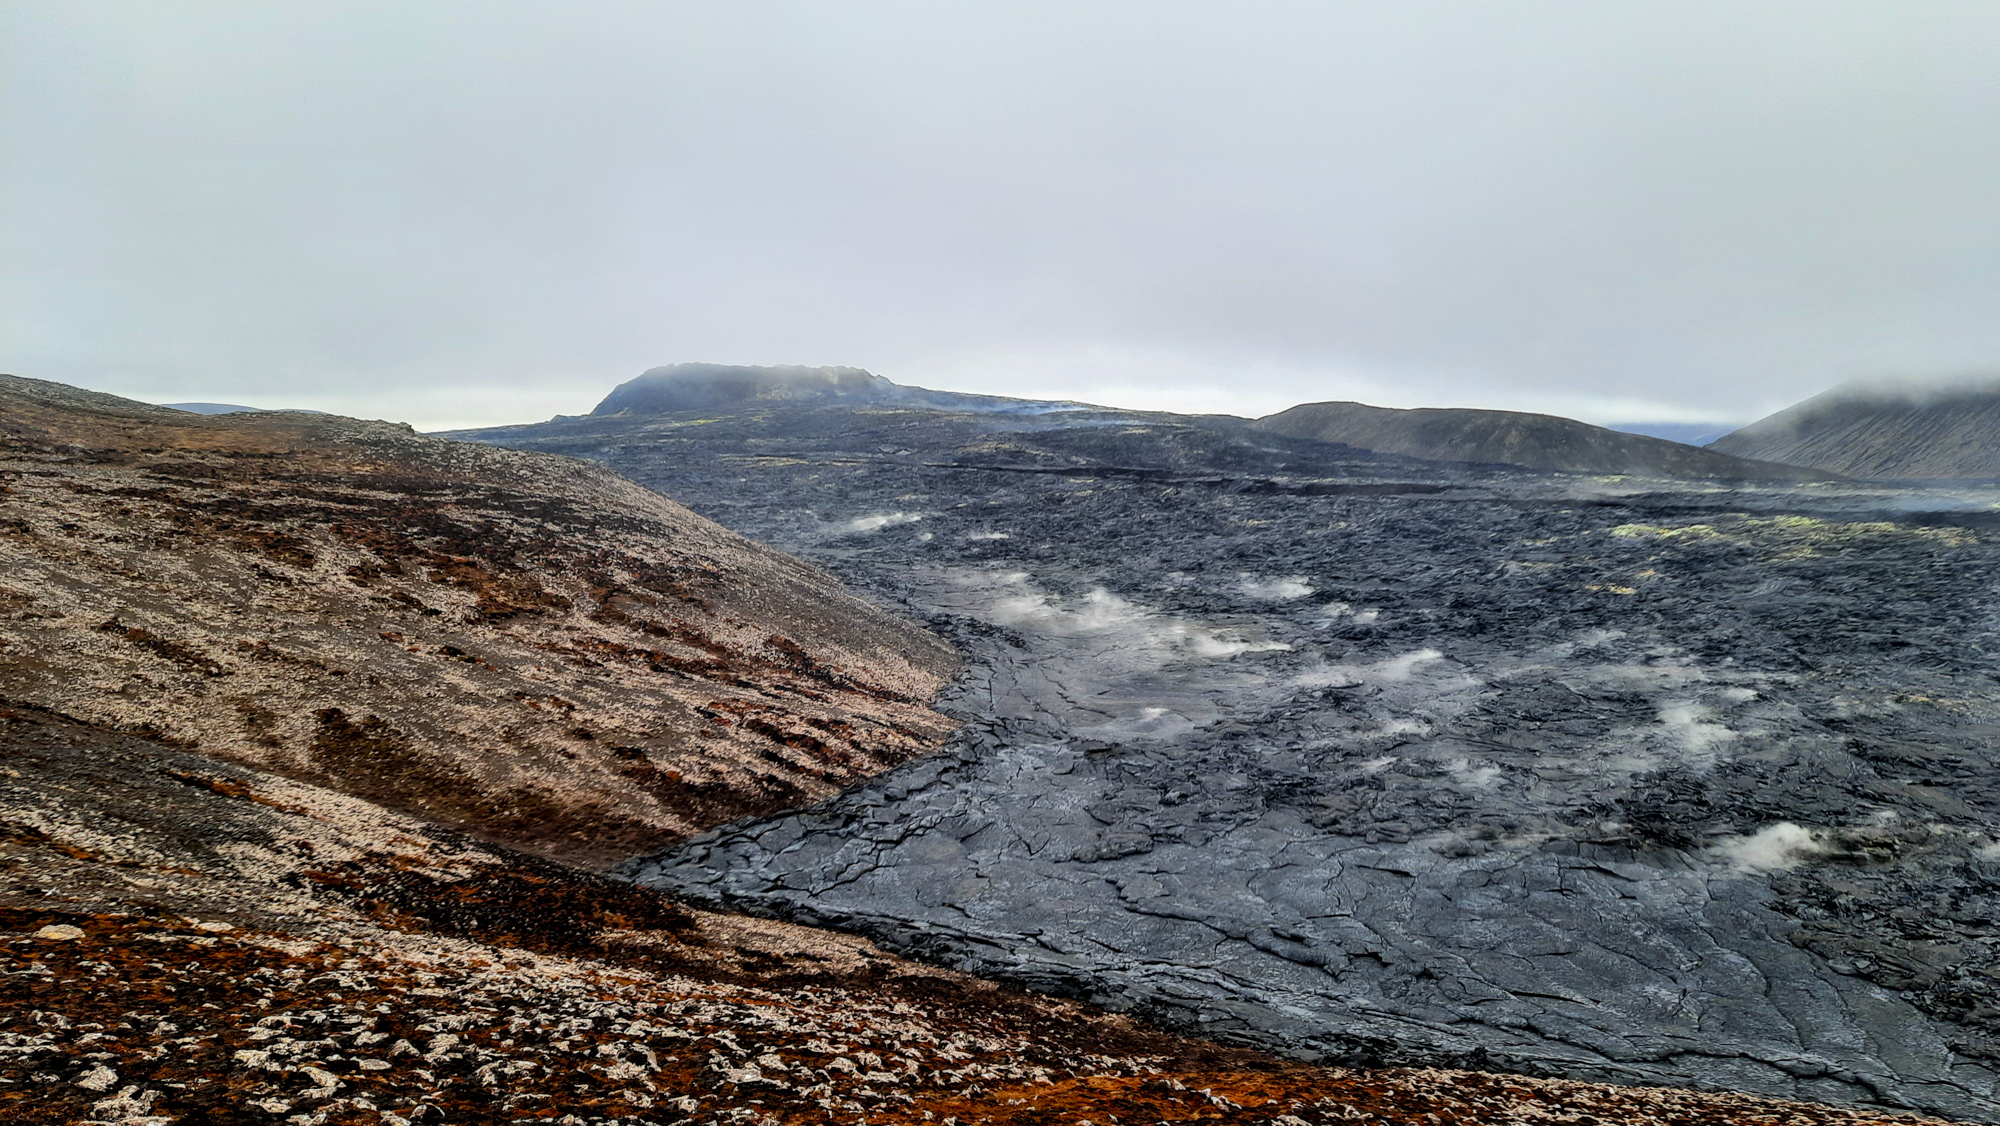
{"type": "Point", "coordinates": [1371, 760]}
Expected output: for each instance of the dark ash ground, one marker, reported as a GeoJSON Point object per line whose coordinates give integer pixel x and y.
{"type": "Point", "coordinates": [1365, 758]}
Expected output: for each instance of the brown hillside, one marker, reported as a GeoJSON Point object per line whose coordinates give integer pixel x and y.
{"type": "Point", "coordinates": [527, 647]}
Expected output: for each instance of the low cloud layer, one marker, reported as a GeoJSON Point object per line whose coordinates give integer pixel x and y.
{"type": "Point", "coordinates": [486, 213]}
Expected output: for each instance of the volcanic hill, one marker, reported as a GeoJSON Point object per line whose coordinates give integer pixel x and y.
{"type": "Point", "coordinates": [1532, 441]}
{"type": "Point", "coordinates": [530, 648]}
{"type": "Point", "coordinates": [733, 387]}
{"type": "Point", "coordinates": [1889, 431]}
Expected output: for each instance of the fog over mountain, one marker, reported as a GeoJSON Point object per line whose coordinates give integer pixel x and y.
{"type": "Point", "coordinates": [1905, 429]}
{"type": "Point", "coordinates": [464, 215]}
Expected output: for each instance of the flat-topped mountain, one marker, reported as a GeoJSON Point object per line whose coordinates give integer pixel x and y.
{"type": "Point", "coordinates": [686, 387]}
{"type": "Point", "coordinates": [528, 647]}
{"type": "Point", "coordinates": [700, 387]}
{"type": "Point", "coordinates": [1532, 441]}
{"type": "Point", "coordinates": [1883, 431]}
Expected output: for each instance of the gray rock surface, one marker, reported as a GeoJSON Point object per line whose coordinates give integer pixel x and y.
{"type": "Point", "coordinates": [1362, 758]}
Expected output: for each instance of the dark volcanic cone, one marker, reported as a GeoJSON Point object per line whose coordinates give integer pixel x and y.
{"type": "Point", "coordinates": [1883, 431]}
{"type": "Point", "coordinates": [527, 647]}
{"type": "Point", "coordinates": [1532, 441]}
{"type": "Point", "coordinates": [684, 387]}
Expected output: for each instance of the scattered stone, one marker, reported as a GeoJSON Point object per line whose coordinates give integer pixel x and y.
{"type": "Point", "coordinates": [99, 1078]}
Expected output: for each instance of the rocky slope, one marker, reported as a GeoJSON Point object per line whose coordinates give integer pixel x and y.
{"type": "Point", "coordinates": [1533, 441]}
{"type": "Point", "coordinates": [527, 647]}
{"type": "Point", "coordinates": [1882, 431]}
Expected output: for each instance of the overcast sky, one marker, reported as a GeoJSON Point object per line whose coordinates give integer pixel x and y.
{"type": "Point", "coordinates": [474, 213]}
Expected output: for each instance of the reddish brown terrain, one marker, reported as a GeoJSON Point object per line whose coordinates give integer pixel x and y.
{"type": "Point", "coordinates": [312, 732]}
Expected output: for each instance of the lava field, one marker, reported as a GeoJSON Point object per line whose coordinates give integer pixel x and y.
{"type": "Point", "coordinates": [1364, 759]}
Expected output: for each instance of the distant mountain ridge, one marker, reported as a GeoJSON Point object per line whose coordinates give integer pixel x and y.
{"type": "Point", "coordinates": [1883, 431]}
{"type": "Point", "coordinates": [232, 408]}
{"type": "Point", "coordinates": [1532, 441]}
{"type": "Point", "coordinates": [684, 387]}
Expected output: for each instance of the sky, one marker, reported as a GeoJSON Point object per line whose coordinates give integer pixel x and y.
{"type": "Point", "coordinates": [461, 214]}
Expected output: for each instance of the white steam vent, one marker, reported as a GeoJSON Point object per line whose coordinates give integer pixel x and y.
{"type": "Point", "coordinates": [1401, 668]}
{"type": "Point", "coordinates": [880, 521]}
{"type": "Point", "coordinates": [1774, 848]}
{"type": "Point", "coordinates": [1101, 612]}
{"type": "Point", "coordinates": [1275, 590]}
